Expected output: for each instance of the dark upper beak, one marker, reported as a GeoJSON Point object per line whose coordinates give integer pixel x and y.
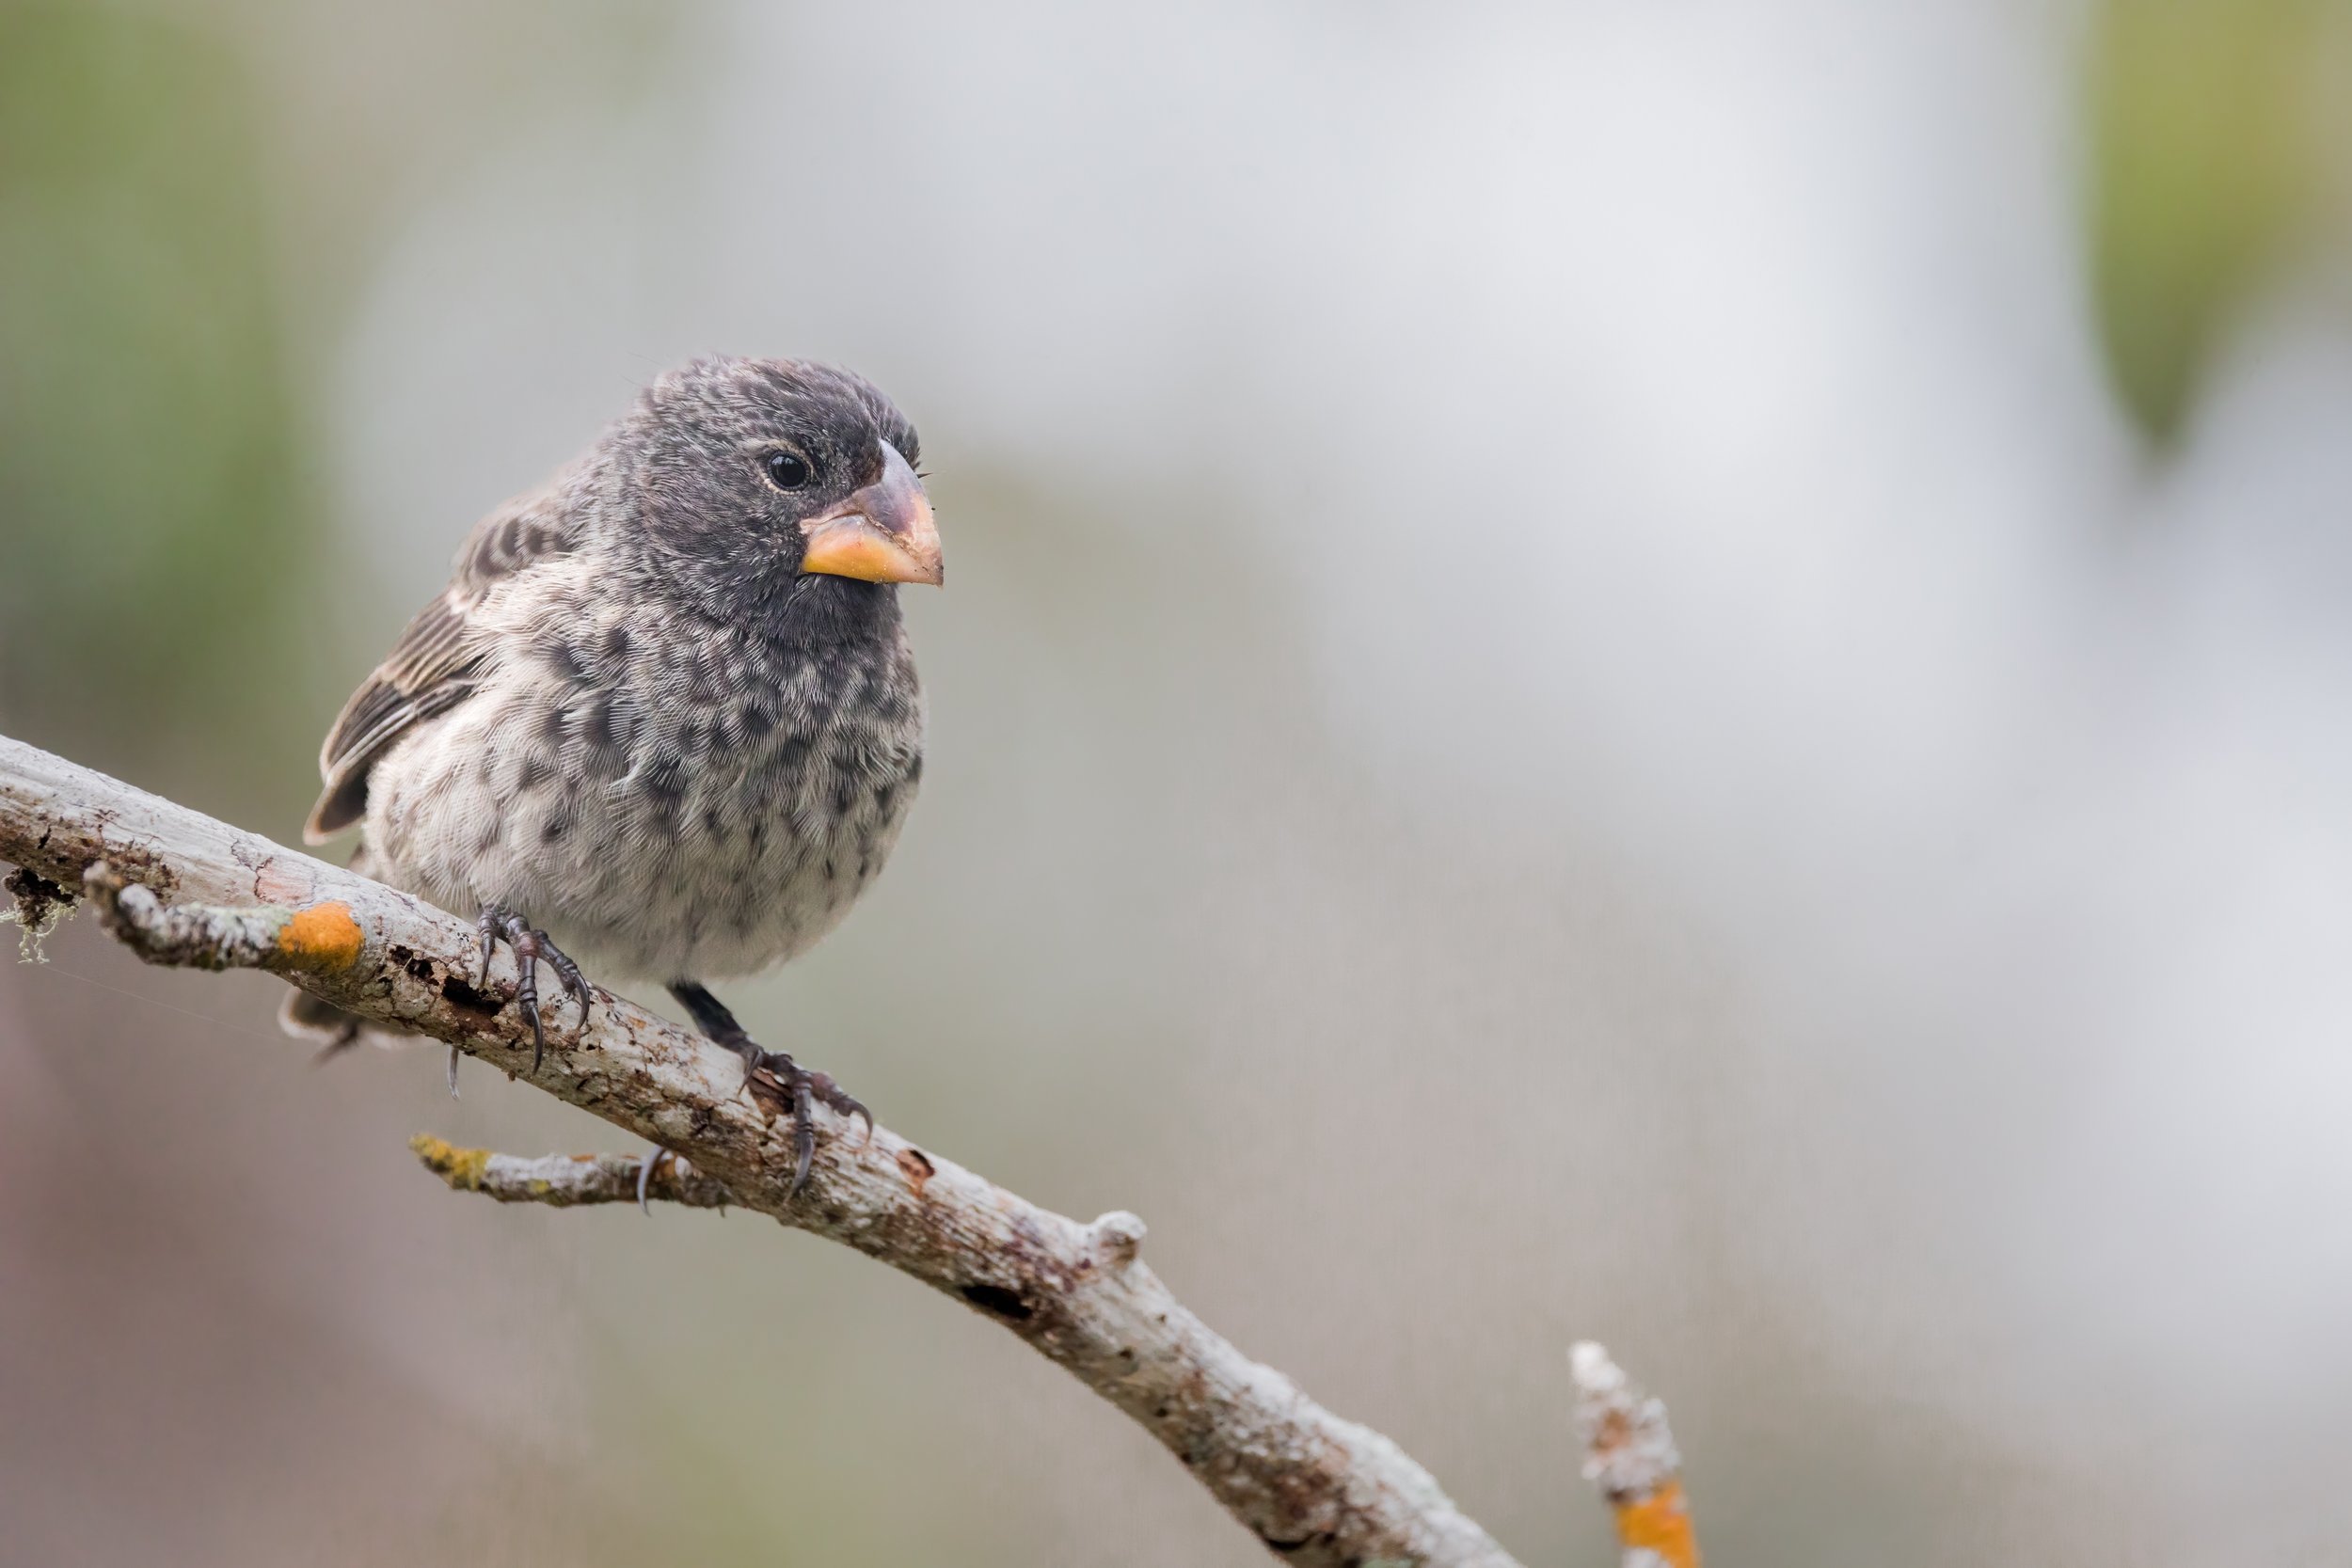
{"type": "Point", "coordinates": [882, 534]}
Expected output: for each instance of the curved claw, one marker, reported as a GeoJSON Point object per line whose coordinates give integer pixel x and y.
{"type": "Point", "coordinates": [577, 985]}
{"type": "Point", "coordinates": [646, 1168]}
{"type": "Point", "coordinates": [843, 1102]}
{"type": "Point", "coordinates": [527, 994]}
{"type": "Point", "coordinates": [488, 928]}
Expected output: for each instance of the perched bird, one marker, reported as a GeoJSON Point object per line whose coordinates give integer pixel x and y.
{"type": "Point", "coordinates": [664, 717]}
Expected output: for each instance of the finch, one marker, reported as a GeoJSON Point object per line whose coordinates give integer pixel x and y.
{"type": "Point", "coordinates": [664, 720]}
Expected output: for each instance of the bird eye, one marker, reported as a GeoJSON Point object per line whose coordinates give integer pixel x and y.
{"type": "Point", "coordinates": [786, 471]}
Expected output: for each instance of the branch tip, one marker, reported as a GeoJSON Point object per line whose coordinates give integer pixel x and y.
{"type": "Point", "coordinates": [462, 1168]}
{"type": "Point", "coordinates": [1629, 1454]}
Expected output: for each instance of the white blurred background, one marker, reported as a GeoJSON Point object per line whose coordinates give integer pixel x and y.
{"type": "Point", "coordinates": [1667, 673]}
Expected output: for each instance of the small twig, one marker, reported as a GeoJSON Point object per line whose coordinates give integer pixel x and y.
{"type": "Point", "coordinates": [1629, 1455]}
{"type": "Point", "coordinates": [568, 1181]}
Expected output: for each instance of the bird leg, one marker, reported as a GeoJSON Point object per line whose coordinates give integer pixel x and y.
{"type": "Point", "coordinates": [530, 944]}
{"type": "Point", "coordinates": [803, 1089]}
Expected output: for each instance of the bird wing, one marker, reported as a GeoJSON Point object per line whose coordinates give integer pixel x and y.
{"type": "Point", "coordinates": [432, 668]}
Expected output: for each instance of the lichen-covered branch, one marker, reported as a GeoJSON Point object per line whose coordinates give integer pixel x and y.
{"type": "Point", "coordinates": [179, 887]}
{"type": "Point", "coordinates": [1629, 1455]}
{"type": "Point", "coordinates": [568, 1181]}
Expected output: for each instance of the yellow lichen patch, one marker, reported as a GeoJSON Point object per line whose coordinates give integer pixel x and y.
{"type": "Point", "coordinates": [322, 937]}
{"type": "Point", "coordinates": [1660, 1522]}
{"type": "Point", "coordinates": [461, 1168]}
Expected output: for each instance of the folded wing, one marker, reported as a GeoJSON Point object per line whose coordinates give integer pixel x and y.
{"type": "Point", "coordinates": [433, 666]}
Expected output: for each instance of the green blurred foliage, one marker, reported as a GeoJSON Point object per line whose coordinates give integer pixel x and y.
{"type": "Point", "coordinates": [149, 463]}
{"type": "Point", "coordinates": [2207, 167]}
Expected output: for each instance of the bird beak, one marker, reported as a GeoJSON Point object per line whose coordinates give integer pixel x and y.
{"type": "Point", "coordinates": [883, 533]}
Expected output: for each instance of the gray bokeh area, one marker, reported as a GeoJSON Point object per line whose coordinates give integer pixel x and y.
{"type": "Point", "coordinates": [1566, 704]}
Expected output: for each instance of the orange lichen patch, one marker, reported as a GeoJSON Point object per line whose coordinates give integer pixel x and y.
{"type": "Point", "coordinates": [324, 937]}
{"type": "Point", "coordinates": [1660, 1522]}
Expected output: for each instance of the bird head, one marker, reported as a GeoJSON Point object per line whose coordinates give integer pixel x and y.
{"type": "Point", "coordinates": [746, 475]}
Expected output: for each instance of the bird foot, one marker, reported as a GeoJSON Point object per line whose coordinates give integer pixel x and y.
{"type": "Point", "coordinates": [778, 1086]}
{"type": "Point", "coordinates": [531, 946]}
{"type": "Point", "coordinates": [781, 1086]}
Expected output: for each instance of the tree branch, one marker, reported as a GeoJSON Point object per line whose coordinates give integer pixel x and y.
{"type": "Point", "coordinates": [568, 1181]}
{"type": "Point", "coordinates": [1629, 1455]}
{"type": "Point", "coordinates": [181, 888]}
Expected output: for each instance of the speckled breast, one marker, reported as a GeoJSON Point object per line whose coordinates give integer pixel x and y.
{"type": "Point", "coordinates": [690, 812]}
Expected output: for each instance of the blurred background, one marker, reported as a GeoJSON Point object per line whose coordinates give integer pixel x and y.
{"type": "Point", "coordinates": [1672, 673]}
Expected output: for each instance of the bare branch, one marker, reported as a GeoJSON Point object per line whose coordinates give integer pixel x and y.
{"type": "Point", "coordinates": [1629, 1455]}
{"type": "Point", "coordinates": [179, 887]}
